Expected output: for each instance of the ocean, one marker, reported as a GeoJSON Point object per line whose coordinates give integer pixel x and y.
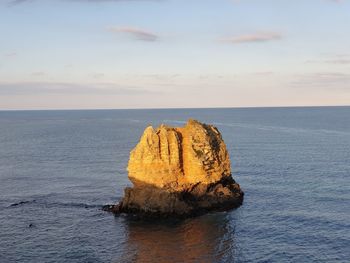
{"type": "Point", "coordinates": [58, 168]}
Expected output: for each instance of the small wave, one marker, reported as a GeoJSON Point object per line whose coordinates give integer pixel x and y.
{"type": "Point", "coordinates": [72, 204]}
{"type": "Point", "coordinates": [22, 203]}
{"type": "Point", "coordinates": [55, 204]}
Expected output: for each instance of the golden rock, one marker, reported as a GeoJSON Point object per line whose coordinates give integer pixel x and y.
{"type": "Point", "coordinates": [179, 171]}
{"type": "Point", "coordinates": [178, 158]}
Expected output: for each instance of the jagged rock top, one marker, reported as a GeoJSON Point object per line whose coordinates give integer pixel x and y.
{"type": "Point", "coordinates": [178, 158]}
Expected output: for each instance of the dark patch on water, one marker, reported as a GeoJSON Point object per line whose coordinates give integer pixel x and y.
{"type": "Point", "coordinates": [21, 203]}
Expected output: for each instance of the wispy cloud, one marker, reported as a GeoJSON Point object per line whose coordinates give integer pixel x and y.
{"type": "Point", "coordinates": [338, 61]}
{"type": "Point", "coordinates": [10, 54]}
{"type": "Point", "coordinates": [343, 59]}
{"type": "Point", "coordinates": [325, 80]}
{"type": "Point", "coordinates": [16, 2]}
{"type": "Point", "coordinates": [136, 33]}
{"type": "Point", "coordinates": [263, 73]}
{"type": "Point", "coordinates": [97, 75]}
{"type": "Point", "coordinates": [36, 88]}
{"type": "Point", "coordinates": [254, 37]}
{"type": "Point", "coordinates": [38, 74]}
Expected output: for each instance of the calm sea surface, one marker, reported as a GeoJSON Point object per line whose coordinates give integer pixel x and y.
{"type": "Point", "coordinates": [57, 168]}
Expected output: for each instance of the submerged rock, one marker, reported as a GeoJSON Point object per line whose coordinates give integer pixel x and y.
{"type": "Point", "coordinates": [180, 171]}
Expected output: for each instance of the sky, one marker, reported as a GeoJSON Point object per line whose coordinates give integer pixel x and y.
{"type": "Point", "coordinates": [111, 54]}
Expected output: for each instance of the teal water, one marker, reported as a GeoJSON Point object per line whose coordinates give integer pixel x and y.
{"type": "Point", "coordinates": [57, 168]}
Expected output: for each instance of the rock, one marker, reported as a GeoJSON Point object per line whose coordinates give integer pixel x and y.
{"type": "Point", "coordinates": [179, 171]}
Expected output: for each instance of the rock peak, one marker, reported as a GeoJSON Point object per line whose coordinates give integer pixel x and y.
{"type": "Point", "coordinates": [177, 157]}
{"type": "Point", "coordinates": [171, 163]}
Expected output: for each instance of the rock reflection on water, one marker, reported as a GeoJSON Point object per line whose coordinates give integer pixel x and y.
{"type": "Point", "coordinates": [209, 238]}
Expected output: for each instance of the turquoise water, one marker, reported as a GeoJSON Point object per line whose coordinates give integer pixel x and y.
{"type": "Point", "coordinates": [57, 168]}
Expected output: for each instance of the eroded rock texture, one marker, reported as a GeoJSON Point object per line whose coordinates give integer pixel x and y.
{"type": "Point", "coordinates": [180, 171]}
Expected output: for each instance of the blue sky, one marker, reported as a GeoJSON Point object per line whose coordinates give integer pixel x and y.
{"type": "Point", "coordinates": [68, 54]}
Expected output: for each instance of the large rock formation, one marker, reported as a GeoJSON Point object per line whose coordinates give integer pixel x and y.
{"type": "Point", "coordinates": [180, 171]}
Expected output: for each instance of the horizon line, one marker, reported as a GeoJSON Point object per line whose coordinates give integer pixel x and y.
{"type": "Point", "coordinates": [183, 108]}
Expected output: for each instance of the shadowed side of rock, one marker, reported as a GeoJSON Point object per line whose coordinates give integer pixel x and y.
{"type": "Point", "coordinates": [179, 171]}
{"type": "Point", "coordinates": [151, 201]}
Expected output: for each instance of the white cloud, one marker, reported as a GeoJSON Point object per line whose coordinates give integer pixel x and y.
{"type": "Point", "coordinates": [136, 33]}
{"type": "Point", "coordinates": [36, 88]}
{"type": "Point", "coordinates": [254, 37]}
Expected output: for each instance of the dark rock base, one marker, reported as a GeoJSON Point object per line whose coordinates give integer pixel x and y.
{"type": "Point", "coordinates": [149, 201]}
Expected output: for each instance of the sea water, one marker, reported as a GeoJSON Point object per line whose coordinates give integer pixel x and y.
{"type": "Point", "coordinates": [58, 168]}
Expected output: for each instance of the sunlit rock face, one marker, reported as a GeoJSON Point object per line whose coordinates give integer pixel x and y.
{"type": "Point", "coordinates": [178, 158]}
{"type": "Point", "coordinates": [180, 171]}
